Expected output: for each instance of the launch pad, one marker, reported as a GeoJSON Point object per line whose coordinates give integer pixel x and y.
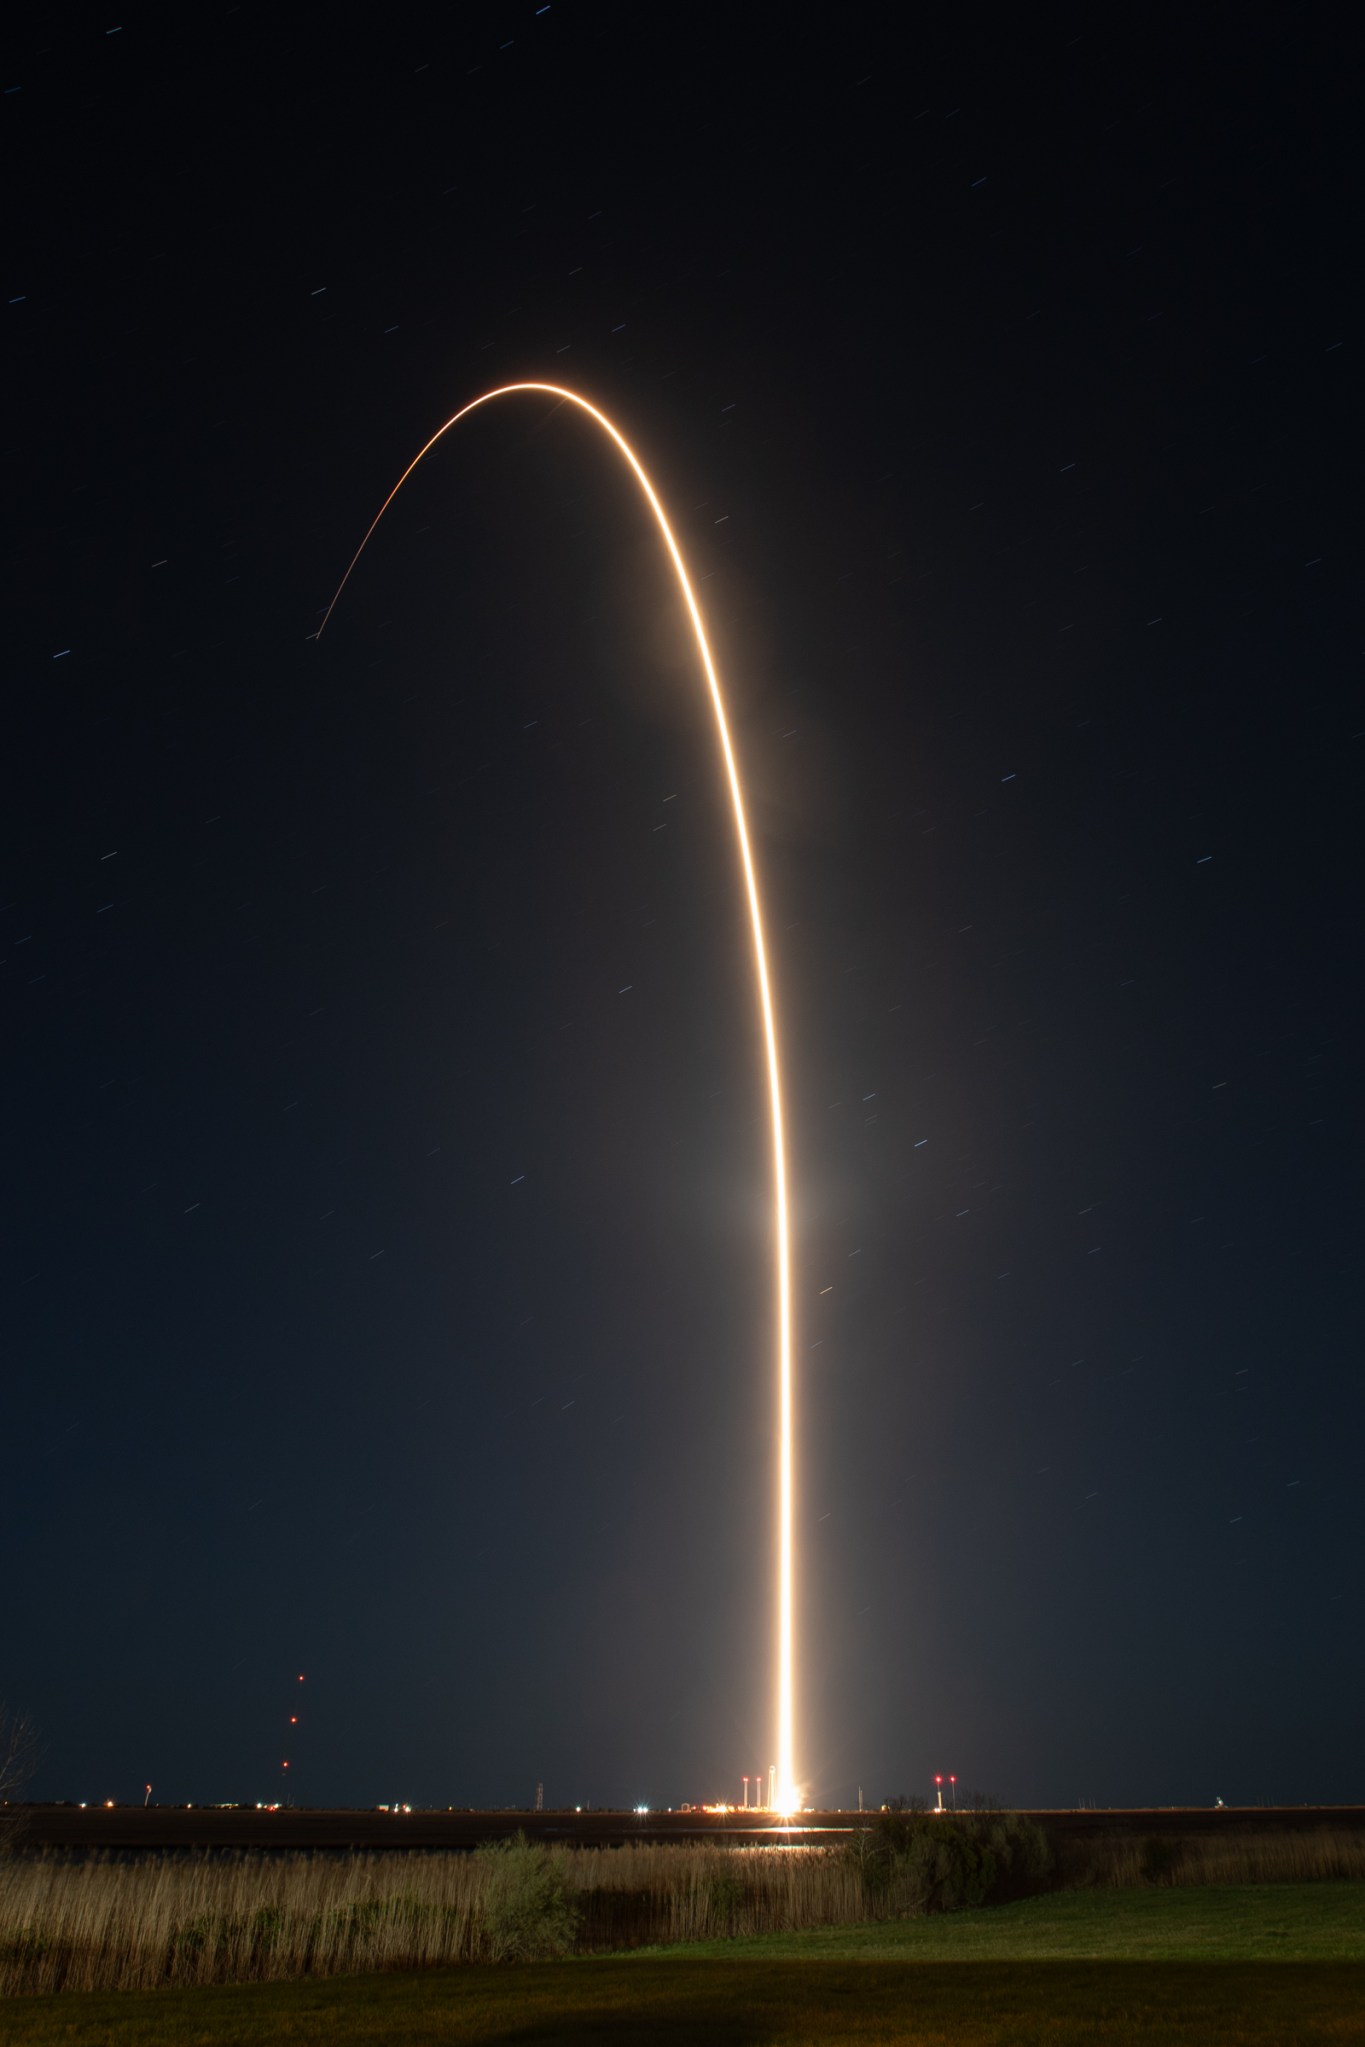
{"type": "Point", "coordinates": [167, 1829]}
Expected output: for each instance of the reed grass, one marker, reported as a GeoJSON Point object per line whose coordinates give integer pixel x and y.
{"type": "Point", "coordinates": [1121, 1862]}
{"type": "Point", "coordinates": [101, 1923]}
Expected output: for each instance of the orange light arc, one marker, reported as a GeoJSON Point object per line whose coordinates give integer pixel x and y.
{"type": "Point", "coordinates": [788, 1795]}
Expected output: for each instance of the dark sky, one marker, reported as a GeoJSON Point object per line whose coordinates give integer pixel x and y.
{"type": "Point", "coordinates": [386, 1290]}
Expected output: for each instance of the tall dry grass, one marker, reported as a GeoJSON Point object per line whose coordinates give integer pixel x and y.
{"type": "Point", "coordinates": [101, 1924]}
{"type": "Point", "coordinates": [1122, 1862]}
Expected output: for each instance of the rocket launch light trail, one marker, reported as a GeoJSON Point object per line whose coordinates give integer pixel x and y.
{"type": "Point", "coordinates": [787, 1796]}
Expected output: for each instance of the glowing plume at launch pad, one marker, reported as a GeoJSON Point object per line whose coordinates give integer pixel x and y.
{"type": "Point", "coordinates": [788, 1797]}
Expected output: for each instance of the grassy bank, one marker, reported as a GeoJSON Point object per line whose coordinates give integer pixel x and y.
{"type": "Point", "coordinates": [1247, 1923]}
{"type": "Point", "coordinates": [735, 2004]}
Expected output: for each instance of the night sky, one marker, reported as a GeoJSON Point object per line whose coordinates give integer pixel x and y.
{"type": "Point", "coordinates": [386, 1225]}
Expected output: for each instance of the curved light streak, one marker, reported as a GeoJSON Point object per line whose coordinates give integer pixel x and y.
{"type": "Point", "coordinates": [788, 1795]}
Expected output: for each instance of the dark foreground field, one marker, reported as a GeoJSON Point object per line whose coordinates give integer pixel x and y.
{"type": "Point", "coordinates": [1013, 1974]}
{"type": "Point", "coordinates": [738, 2004]}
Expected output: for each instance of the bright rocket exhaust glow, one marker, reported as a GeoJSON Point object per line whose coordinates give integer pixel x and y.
{"type": "Point", "coordinates": [788, 1797]}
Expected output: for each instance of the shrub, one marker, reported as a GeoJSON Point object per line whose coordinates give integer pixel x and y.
{"type": "Point", "coordinates": [1023, 1854]}
{"type": "Point", "coordinates": [931, 1862]}
{"type": "Point", "coordinates": [529, 1906]}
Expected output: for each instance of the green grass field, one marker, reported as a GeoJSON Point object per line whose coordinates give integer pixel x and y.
{"type": "Point", "coordinates": [1248, 1923]}
{"type": "Point", "coordinates": [1183, 1969]}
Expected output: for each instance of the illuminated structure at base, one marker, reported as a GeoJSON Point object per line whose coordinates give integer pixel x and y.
{"type": "Point", "coordinates": [785, 1795]}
